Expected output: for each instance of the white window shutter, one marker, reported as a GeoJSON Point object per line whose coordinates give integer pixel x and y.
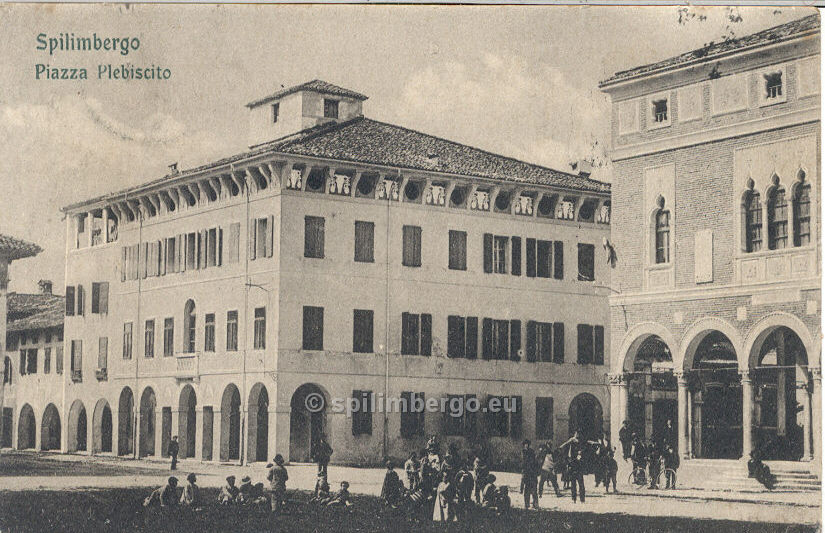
{"type": "Point", "coordinates": [251, 239]}
{"type": "Point", "coordinates": [270, 229]}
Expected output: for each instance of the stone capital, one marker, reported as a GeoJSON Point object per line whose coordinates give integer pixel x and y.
{"type": "Point", "coordinates": [745, 376]}
{"type": "Point", "coordinates": [816, 373]}
{"type": "Point", "coordinates": [617, 379]}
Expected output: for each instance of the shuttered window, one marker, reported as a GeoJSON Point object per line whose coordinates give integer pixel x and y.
{"type": "Point", "coordinates": [411, 253]}
{"type": "Point", "coordinates": [587, 262]}
{"type": "Point", "coordinates": [558, 260]}
{"type": "Point", "coordinates": [458, 250]}
{"type": "Point", "coordinates": [362, 331]}
{"type": "Point", "coordinates": [362, 414]}
{"type": "Point", "coordinates": [168, 337]}
{"type": "Point", "coordinates": [231, 331]}
{"type": "Point", "coordinates": [412, 414]}
{"type": "Point", "coordinates": [103, 353]}
{"type": "Point", "coordinates": [544, 418]}
{"type": "Point", "coordinates": [416, 334]}
{"type": "Point", "coordinates": [313, 328]}
{"type": "Point", "coordinates": [364, 241]}
{"type": "Point", "coordinates": [314, 237]}
{"type": "Point", "coordinates": [70, 300]}
{"type": "Point", "coordinates": [209, 332]}
{"type": "Point", "coordinates": [515, 248]}
{"type": "Point", "coordinates": [259, 329]}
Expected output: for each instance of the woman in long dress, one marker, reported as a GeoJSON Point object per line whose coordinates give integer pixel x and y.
{"type": "Point", "coordinates": [444, 510]}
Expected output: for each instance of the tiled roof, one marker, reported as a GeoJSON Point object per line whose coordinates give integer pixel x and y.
{"type": "Point", "coordinates": [34, 311]}
{"type": "Point", "coordinates": [776, 34]}
{"type": "Point", "coordinates": [14, 248]}
{"type": "Point", "coordinates": [319, 86]}
{"type": "Point", "coordinates": [364, 140]}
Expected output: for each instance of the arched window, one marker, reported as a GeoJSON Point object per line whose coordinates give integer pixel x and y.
{"type": "Point", "coordinates": [189, 326]}
{"type": "Point", "coordinates": [753, 222]}
{"type": "Point", "coordinates": [802, 213]}
{"type": "Point", "coordinates": [662, 236]}
{"type": "Point", "coordinates": [777, 219]}
{"type": "Point", "coordinates": [7, 370]}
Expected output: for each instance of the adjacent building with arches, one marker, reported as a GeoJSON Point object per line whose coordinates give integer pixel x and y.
{"type": "Point", "coordinates": [237, 304]}
{"type": "Point", "coordinates": [716, 310]}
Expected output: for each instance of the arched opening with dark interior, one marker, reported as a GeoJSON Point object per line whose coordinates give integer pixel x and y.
{"type": "Point", "coordinates": [231, 424]}
{"type": "Point", "coordinates": [50, 428]}
{"type": "Point", "coordinates": [652, 398]}
{"type": "Point", "coordinates": [585, 416]}
{"type": "Point", "coordinates": [26, 428]}
{"type": "Point", "coordinates": [258, 434]}
{"type": "Point", "coordinates": [148, 405]}
{"type": "Point", "coordinates": [187, 423]}
{"type": "Point", "coordinates": [78, 428]}
{"type": "Point", "coordinates": [125, 423]}
{"type": "Point", "coordinates": [305, 426]}
{"type": "Point", "coordinates": [102, 427]}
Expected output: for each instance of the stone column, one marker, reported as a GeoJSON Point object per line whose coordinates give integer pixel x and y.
{"type": "Point", "coordinates": [689, 426]}
{"type": "Point", "coordinates": [175, 429]}
{"type": "Point", "coordinates": [90, 218]}
{"type": "Point", "coordinates": [747, 410]}
{"type": "Point", "coordinates": [682, 425]}
{"type": "Point", "coordinates": [618, 405]}
{"type": "Point", "coordinates": [105, 231]}
{"type": "Point", "coordinates": [816, 416]}
{"type": "Point", "coordinates": [198, 433]}
{"type": "Point", "coordinates": [803, 389]}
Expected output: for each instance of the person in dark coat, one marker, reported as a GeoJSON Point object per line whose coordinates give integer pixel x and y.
{"type": "Point", "coordinates": [173, 452]}
{"type": "Point", "coordinates": [392, 488]}
{"type": "Point", "coordinates": [529, 475]}
{"type": "Point", "coordinates": [480, 472]}
{"type": "Point", "coordinates": [671, 463]}
{"type": "Point", "coordinates": [610, 470]}
{"type": "Point", "coordinates": [575, 470]}
{"type": "Point", "coordinates": [321, 453]}
{"type": "Point", "coordinates": [654, 464]}
{"type": "Point", "coordinates": [166, 496]}
{"type": "Point", "coordinates": [626, 440]}
{"type": "Point", "coordinates": [277, 477]}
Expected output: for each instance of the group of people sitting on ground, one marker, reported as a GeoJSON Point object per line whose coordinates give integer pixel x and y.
{"type": "Point", "coordinates": [167, 495]}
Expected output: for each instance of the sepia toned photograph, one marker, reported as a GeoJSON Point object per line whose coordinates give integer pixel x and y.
{"type": "Point", "coordinates": [410, 268]}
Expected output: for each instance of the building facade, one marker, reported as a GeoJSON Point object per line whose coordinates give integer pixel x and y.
{"type": "Point", "coordinates": [716, 313]}
{"type": "Point", "coordinates": [339, 258]}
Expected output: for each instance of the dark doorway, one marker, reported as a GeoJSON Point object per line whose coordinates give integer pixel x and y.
{"type": "Point", "coordinates": [231, 424]}
{"type": "Point", "coordinates": [305, 427]}
{"type": "Point", "coordinates": [125, 422]}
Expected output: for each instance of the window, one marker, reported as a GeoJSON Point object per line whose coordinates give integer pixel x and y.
{"type": "Point", "coordinates": [364, 241]}
{"type": "Point", "coordinates": [660, 111]}
{"type": "Point", "coordinates": [313, 334]}
{"type": "Point", "coordinates": [127, 340]}
{"type": "Point", "coordinates": [275, 108]}
{"type": "Point", "coordinates": [459, 421]}
{"type": "Point", "coordinates": [168, 337]}
{"type": "Point", "coordinates": [100, 297]}
{"type": "Point", "coordinates": [503, 416]}
{"type": "Point", "coordinates": [501, 339]}
{"type": "Point", "coordinates": [773, 85]}
{"type": "Point", "coordinates": [662, 236]}
{"type": "Point", "coordinates": [544, 418]}
{"type": "Point", "coordinates": [412, 414]}
{"type": "Point", "coordinates": [31, 361]}
{"type": "Point", "coordinates": [7, 371]}
{"type": "Point", "coordinates": [515, 255]}
{"type": "Point", "coordinates": [58, 360]}
{"type": "Point", "coordinates": [77, 360]}
{"type": "Point", "coordinates": [70, 303]}
{"type": "Point", "coordinates": [416, 334]}
{"type": "Point", "coordinates": [231, 331]}
{"type": "Point", "coordinates": [753, 222]}
{"type": "Point", "coordinates": [189, 326]}
{"type": "Point", "coordinates": [234, 243]}
{"type": "Point", "coordinates": [261, 232]}
{"type": "Point", "coordinates": [191, 251]}
{"type": "Point", "coordinates": [777, 219]}
{"type": "Point", "coordinates": [558, 260]}
{"type": "Point", "coordinates": [81, 293]}
{"type": "Point", "coordinates": [591, 345]}
{"type": "Point", "coordinates": [330, 108]}
{"type": "Point", "coordinates": [362, 414]}
{"type": "Point", "coordinates": [462, 336]}
{"type": "Point", "coordinates": [458, 250]}
{"type": "Point", "coordinates": [802, 215]}
{"type": "Point", "coordinates": [362, 331]}
{"type": "Point", "coordinates": [545, 342]}
{"type": "Point", "coordinates": [587, 260]}
{"type": "Point", "coordinates": [314, 237]}
{"type": "Point", "coordinates": [500, 254]}
{"type": "Point", "coordinates": [259, 342]}
{"type": "Point", "coordinates": [412, 246]}
{"type": "Point", "coordinates": [149, 339]}
{"type": "Point", "coordinates": [171, 254]}
{"type": "Point", "coordinates": [209, 333]}
{"type": "Point", "coordinates": [47, 360]}
{"type": "Point", "coordinates": [102, 352]}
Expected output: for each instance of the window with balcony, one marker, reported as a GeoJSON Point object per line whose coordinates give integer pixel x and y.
{"type": "Point", "coordinates": [313, 328]}
{"type": "Point", "coordinates": [259, 330]}
{"type": "Point", "coordinates": [773, 85]}
{"type": "Point", "coordinates": [364, 242]}
{"type": "Point", "coordinates": [209, 332]}
{"type": "Point", "coordinates": [777, 219]}
{"type": "Point", "coordinates": [149, 339]}
{"type": "Point", "coordinates": [416, 334]}
{"type": "Point", "coordinates": [231, 331]}
{"type": "Point", "coordinates": [752, 208]}
{"type": "Point", "coordinates": [127, 340]}
{"type": "Point", "coordinates": [659, 112]}
{"type": "Point", "coordinates": [802, 215]}
{"type": "Point", "coordinates": [168, 337]}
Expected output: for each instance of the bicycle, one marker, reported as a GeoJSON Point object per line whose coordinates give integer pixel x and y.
{"type": "Point", "coordinates": [661, 479]}
{"type": "Point", "coordinates": [638, 478]}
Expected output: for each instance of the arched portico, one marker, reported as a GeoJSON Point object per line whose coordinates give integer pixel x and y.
{"type": "Point", "coordinates": [102, 427]}
{"type": "Point", "coordinates": [26, 428]}
{"type": "Point", "coordinates": [230, 424]}
{"type": "Point", "coordinates": [148, 405]}
{"type": "Point", "coordinates": [187, 423]}
{"type": "Point", "coordinates": [306, 426]}
{"type": "Point", "coordinates": [50, 428]}
{"type": "Point", "coordinates": [125, 422]}
{"type": "Point", "coordinates": [78, 428]}
{"type": "Point", "coordinates": [258, 433]}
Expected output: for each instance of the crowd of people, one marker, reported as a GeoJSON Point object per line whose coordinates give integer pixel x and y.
{"type": "Point", "coordinates": [653, 456]}
{"type": "Point", "coordinates": [449, 484]}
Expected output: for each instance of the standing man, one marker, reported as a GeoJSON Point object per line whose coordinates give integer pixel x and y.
{"type": "Point", "coordinates": [529, 475]}
{"type": "Point", "coordinates": [173, 451]}
{"type": "Point", "coordinates": [575, 470]}
{"type": "Point", "coordinates": [625, 438]}
{"type": "Point", "coordinates": [321, 454]}
{"type": "Point", "coordinates": [277, 477]}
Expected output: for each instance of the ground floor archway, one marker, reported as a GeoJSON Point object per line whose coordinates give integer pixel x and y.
{"type": "Point", "coordinates": [306, 426]}
{"type": "Point", "coordinates": [652, 405]}
{"type": "Point", "coordinates": [230, 424]}
{"type": "Point", "coordinates": [125, 423]}
{"type": "Point", "coordinates": [26, 428]}
{"type": "Point", "coordinates": [78, 428]}
{"type": "Point", "coordinates": [187, 422]}
{"type": "Point", "coordinates": [102, 427]}
{"type": "Point", "coordinates": [50, 428]}
{"type": "Point", "coordinates": [586, 416]}
{"type": "Point", "coordinates": [148, 406]}
{"type": "Point", "coordinates": [258, 434]}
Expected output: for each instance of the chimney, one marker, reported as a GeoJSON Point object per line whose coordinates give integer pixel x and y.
{"type": "Point", "coordinates": [582, 167]}
{"type": "Point", "coordinates": [45, 286]}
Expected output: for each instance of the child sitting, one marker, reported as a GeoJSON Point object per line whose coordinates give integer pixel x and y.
{"type": "Point", "coordinates": [321, 494]}
{"type": "Point", "coordinates": [229, 492]}
{"type": "Point", "coordinates": [342, 498]}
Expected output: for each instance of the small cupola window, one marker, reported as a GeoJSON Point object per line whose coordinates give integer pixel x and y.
{"type": "Point", "coordinates": [330, 108]}
{"type": "Point", "coordinates": [773, 85]}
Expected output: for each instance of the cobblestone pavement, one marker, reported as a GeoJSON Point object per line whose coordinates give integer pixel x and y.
{"type": "Point", "coordinates": [790, 508]}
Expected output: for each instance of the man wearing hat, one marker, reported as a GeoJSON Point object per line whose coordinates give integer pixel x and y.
{"type": "Point", "coordinates": [173, 452]}
{"type": "Point", "coordinates": [229, 492]}
{"type": "Point", "coordinates": [529, 475]}
{"type": "Point", "coordinates": [250, 493]}
{"type": "Point", "coordinates": [191, 496]}
{"type": "Point", "coordinates": [277, 477]}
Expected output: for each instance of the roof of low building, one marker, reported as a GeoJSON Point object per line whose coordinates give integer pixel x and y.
{"type": "Point", "coordinates": [34, 311]}
{"type": "Point", "coordinates": [15, 248]}
{"type": "Point", "coordinates": [318, 86]}
{"type": "Point", "coordinates": [712, 51]}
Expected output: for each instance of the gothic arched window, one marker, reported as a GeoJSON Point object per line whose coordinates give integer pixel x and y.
{"type": "Point", "coordinates": [662, 238]}
{"type": "Point", "coordinates": [802, 213]}
{"type": "Point", "coordinates": [753, 221]}
{"type": "Point", "coordinates": [189, 326]}
{"type": "Point", "coordinates": [777, 219]}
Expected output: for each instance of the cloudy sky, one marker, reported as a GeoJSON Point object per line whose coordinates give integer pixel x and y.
{"type": "Point", "coordinates": [521, 81]}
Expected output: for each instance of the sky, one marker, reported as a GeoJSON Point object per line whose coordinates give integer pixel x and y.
{"type": "Point", "coordinates": [521, 81]}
